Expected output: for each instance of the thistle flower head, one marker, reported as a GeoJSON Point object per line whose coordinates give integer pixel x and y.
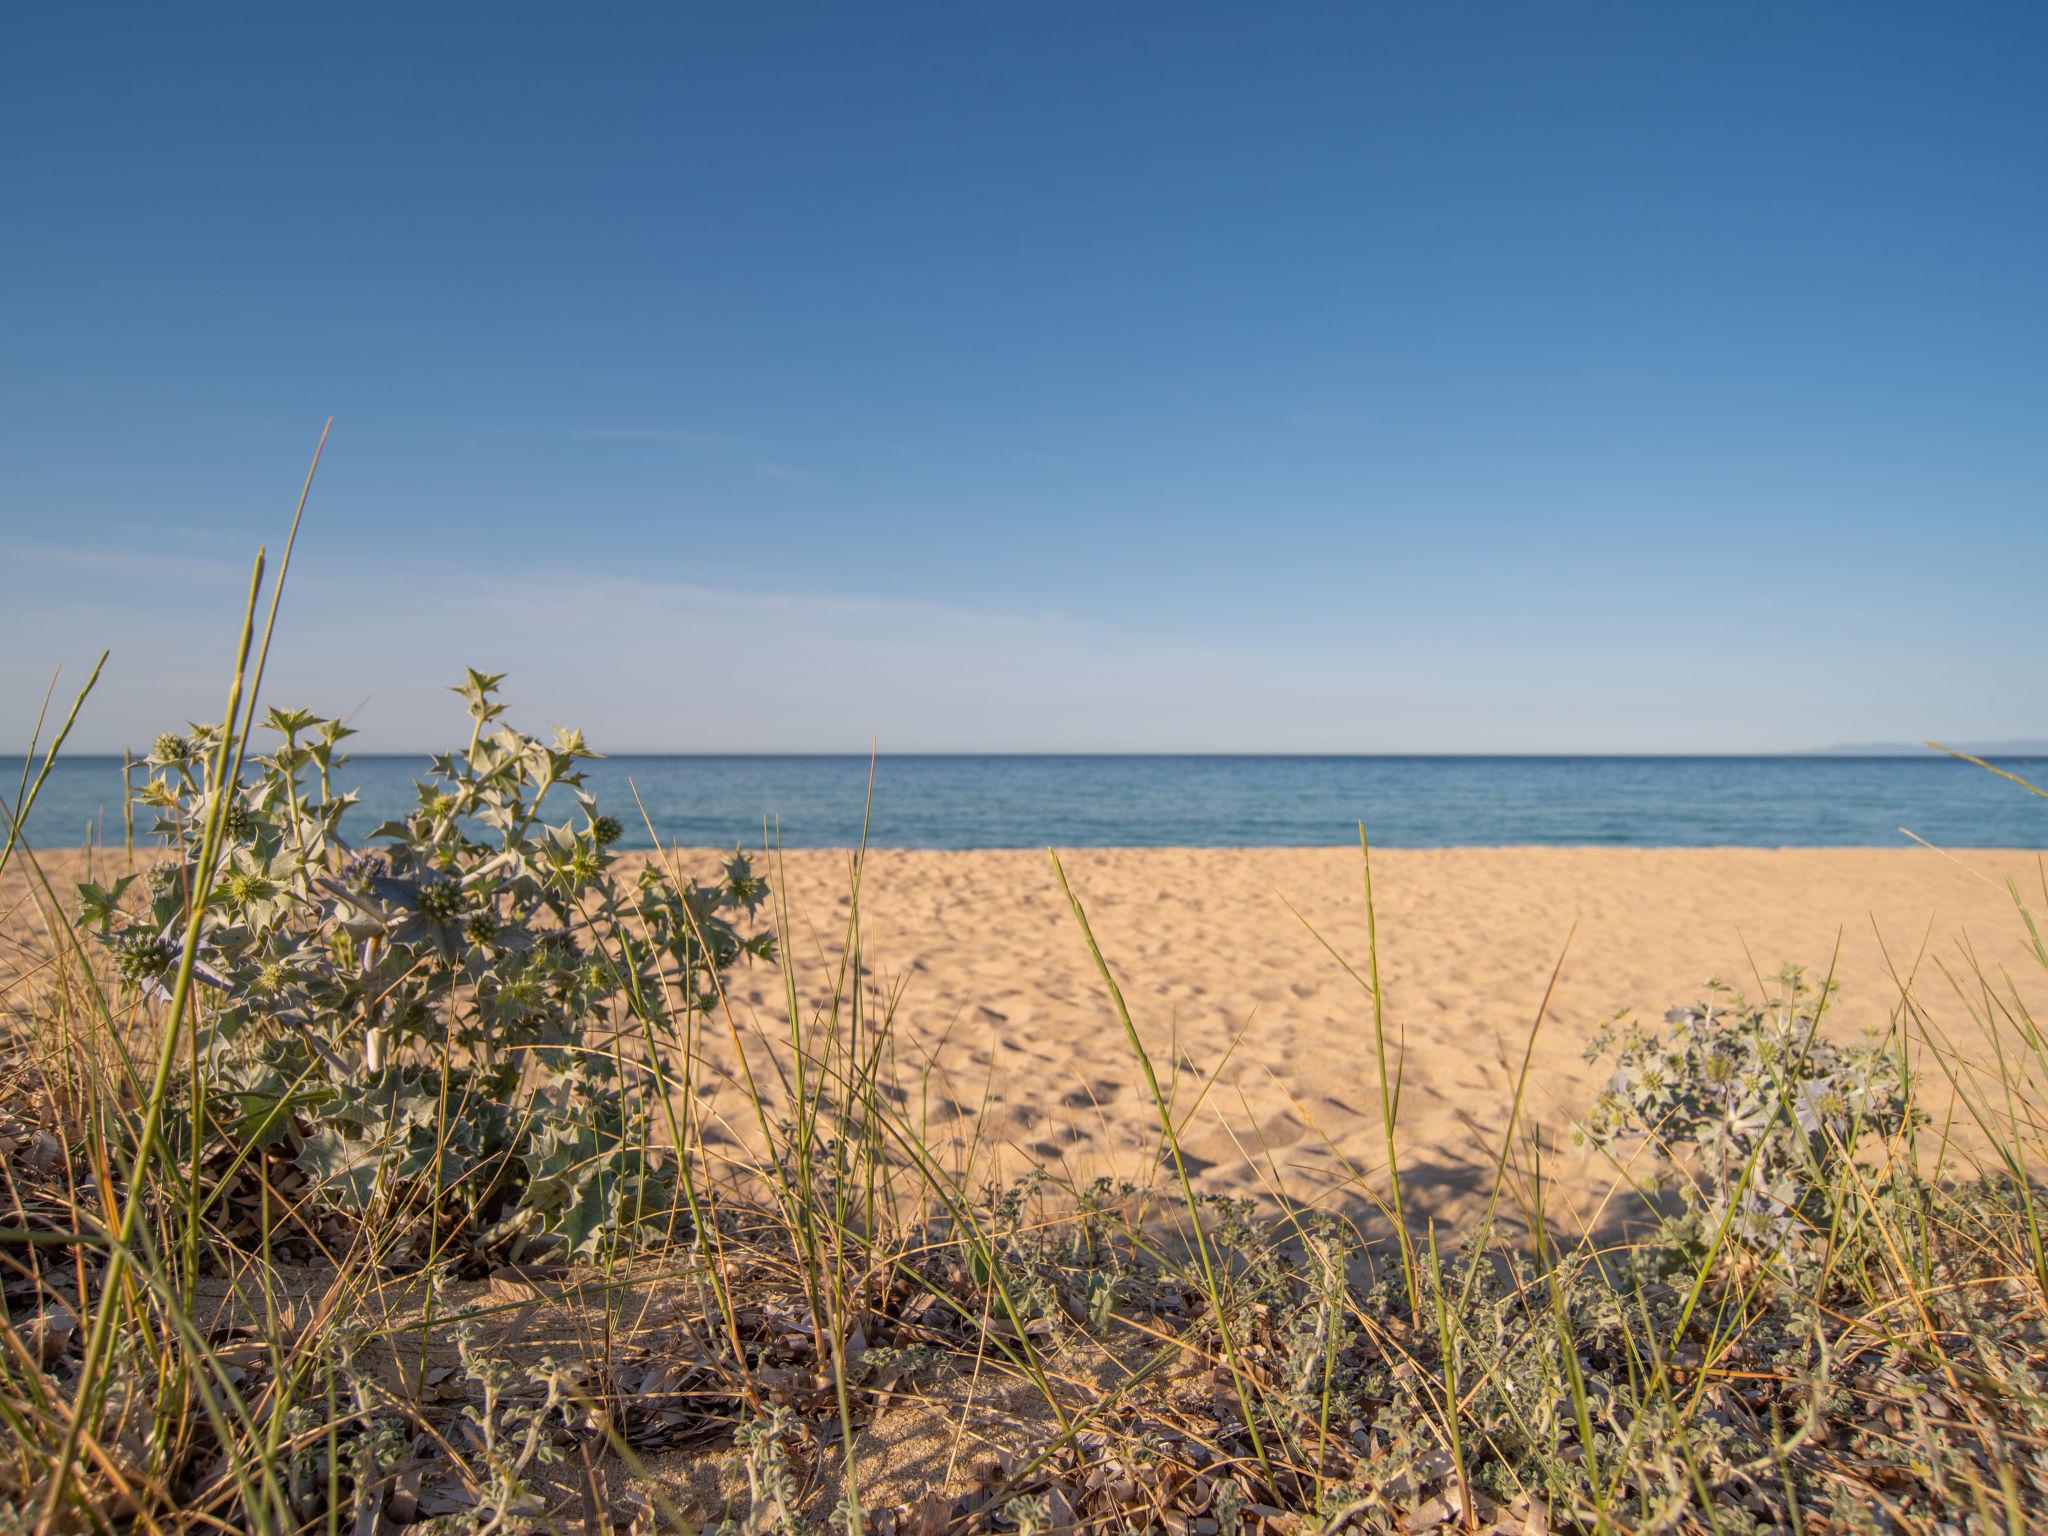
{"type": "Point", "coordinates": [250, 885]}
{"type": "Point", "coordinates": [142, 957]}
{"type": "Point", "coordinates": [171, 750]}
{"type": "Point", "coordinates": [441, 899]}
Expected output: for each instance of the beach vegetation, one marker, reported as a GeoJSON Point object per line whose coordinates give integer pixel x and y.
{"type": "Point", "coordinates": [365, 1184]}
{"type": "Point", "coordinates": [431, 1026]}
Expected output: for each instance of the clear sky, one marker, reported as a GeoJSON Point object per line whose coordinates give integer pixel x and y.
{"type": "Point", "coordinates": [1352, 377]}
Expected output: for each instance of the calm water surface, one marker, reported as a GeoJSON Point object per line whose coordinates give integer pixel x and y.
{"type": "Point", "coordinates": [1412, 802]}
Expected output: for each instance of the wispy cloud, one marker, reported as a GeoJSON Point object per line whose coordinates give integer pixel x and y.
{"type": "Point", "coordinates": [150, 567]}
{"type": "Point", "coordinates": [647, 663]}
{"type": "Point", "coordinates": [676, 435]}
{"type": "Point", "coordinates": [766, 469]}
{"type": "Point", "coordinates": [191, 533]}
{"type": "Point", "coordinates": [681, 437]}
{"type": "Point", "coordinates": [787, 472]}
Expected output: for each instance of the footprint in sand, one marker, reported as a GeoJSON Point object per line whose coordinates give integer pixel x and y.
{"type": "Point", "coordinates": [1089, 1095]}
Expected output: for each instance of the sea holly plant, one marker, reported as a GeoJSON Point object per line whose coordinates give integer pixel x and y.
{"type": "Point", "coordinates": [454, 1016]}
{"type": "Point", "coordinates": [1753, 1114]}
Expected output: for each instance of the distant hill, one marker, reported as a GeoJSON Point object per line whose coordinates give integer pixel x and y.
{"type": "Point", "coordinates": [2025, 746]}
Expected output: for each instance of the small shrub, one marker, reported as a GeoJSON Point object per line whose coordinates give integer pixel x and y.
{"type": "Point", "coordinates": [418, 1021]}
{"type": "Point", "coordinates": [1755, 1116]}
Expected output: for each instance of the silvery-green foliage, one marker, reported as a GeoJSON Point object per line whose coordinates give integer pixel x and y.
{"type": "Point", "coordinates": [771, 1486]}
{"type": "Point", "coordinates": [1754, 1113]}
{"type": "Point", "coordinates": [415, 1019]}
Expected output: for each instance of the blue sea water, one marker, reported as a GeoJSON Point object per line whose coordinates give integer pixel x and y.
{"type": "Point", "coordinates": [1099, 801]}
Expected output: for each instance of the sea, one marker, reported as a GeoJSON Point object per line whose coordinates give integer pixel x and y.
{"type": "Point", "coordinates": [1215, 801]}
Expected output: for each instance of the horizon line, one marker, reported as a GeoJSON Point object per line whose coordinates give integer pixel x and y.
{"type": "Point", "coordinates": [1928, 754]}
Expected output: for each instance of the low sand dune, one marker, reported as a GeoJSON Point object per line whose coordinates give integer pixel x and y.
{"type": "Point", "coordinates": [979, 962]}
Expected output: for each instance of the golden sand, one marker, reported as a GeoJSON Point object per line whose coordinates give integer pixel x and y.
{"type": "Point", "coordinates": [987, 973]}
{"type": "Point", "coordinates": [978, 960]}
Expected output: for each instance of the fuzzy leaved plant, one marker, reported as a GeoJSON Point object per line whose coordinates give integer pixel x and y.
{"type": "Point", "coordinates": [1753, 1115]}
{"type": "Point", "coordinates": [453, 1018]}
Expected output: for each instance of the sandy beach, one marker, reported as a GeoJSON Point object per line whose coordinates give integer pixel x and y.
{"type": "Point", "coordinates": [990, 977]}
{"type": "Point", "coordinates": [978, 960]}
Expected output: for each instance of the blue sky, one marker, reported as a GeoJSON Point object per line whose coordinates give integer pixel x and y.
{"type": "Point", "coordinates": [1159, 377]}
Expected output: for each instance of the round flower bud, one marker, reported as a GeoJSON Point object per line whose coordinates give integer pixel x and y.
{"type": "Point", "coordinates": [171, 749]}
{"type": "Point", "coordinates": [142, 957]}
{"type": "Point", "coordinates": [442, 899]}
